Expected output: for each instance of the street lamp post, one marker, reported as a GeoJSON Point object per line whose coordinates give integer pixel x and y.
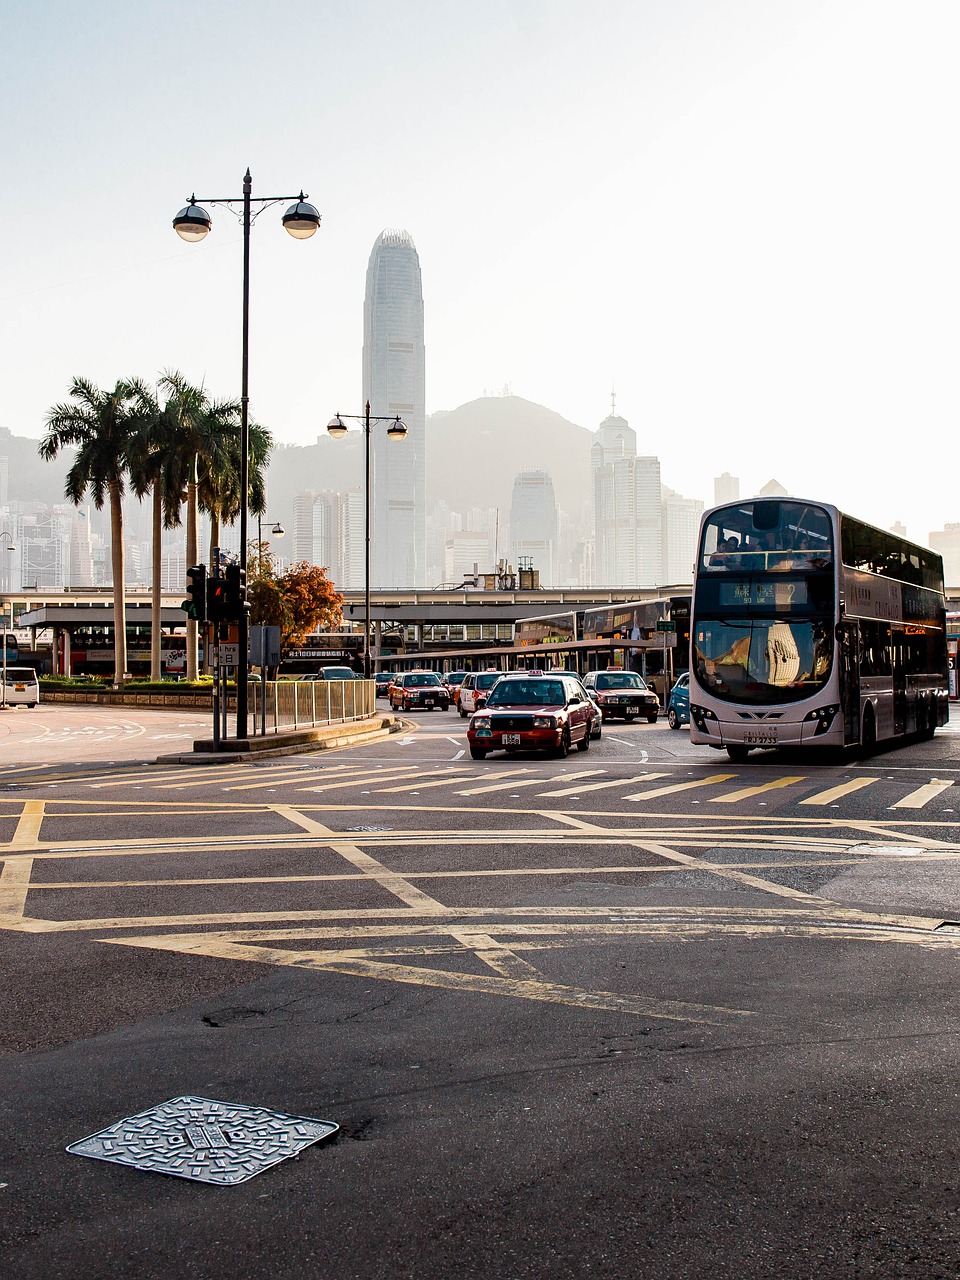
{"type": "Point", "coordinates": [396, 431]}
{"type": "Point", "coordinates": [8, 539]}
{"type": "Point", "coordinates": [276, 532]}
{"type": "Point", "coordinates": [192, 223]}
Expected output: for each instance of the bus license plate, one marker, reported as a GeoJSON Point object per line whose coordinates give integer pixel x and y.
{"type": "Point", "coordinates": [510, 739]}
{"type": "Point", "coordinates": [768, 738]}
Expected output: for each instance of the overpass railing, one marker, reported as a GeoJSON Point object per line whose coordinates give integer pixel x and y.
{"type": "Point", "coordinates": [280, 705]}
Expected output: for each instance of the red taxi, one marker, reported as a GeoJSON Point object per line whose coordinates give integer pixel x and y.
{"type": "Point", "coordinates": [533, 711]}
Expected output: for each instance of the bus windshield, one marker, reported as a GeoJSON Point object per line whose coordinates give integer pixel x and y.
{"type": "Point", "coordinates": [763, 660]}
{"type": "Point", "coordinates": [767, 535]}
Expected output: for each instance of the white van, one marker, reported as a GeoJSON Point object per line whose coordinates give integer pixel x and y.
{"type": "Point", "coordinates": [21, 685]}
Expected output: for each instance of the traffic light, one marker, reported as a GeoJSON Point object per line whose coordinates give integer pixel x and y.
{"type": "Point", "coordinates": [195, 605]}
{"type": "Point", "coordinates": [236, 592]}
{"type": "Point", "coordinates": [218, 603]}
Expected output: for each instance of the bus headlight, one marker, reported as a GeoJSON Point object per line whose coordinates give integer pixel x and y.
{"type": "Point", "coordinates": [823, 716]}
{"type": "Point", "coordinates": [700, 716]}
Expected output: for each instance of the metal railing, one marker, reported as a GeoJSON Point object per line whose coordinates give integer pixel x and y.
{"type": "Point", "coordinates": [279, 705]}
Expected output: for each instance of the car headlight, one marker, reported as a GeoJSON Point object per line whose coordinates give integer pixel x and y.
{"type": "Point", "coordinates": [480, 722]}
{"type": "Point", "coordinates": [544, 722]}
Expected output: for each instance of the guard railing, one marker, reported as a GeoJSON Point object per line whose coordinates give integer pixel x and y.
{"type": "Point", "coordinates": [279, 705]}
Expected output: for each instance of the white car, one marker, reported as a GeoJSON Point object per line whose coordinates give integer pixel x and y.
{"type": "Point", "coordinates": [21, 686]}
{"type": "Point", "coordinates": [474, 689]}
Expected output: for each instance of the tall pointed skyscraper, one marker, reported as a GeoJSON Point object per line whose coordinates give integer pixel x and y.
{"type": "Point", "coordinates": [393, 382]}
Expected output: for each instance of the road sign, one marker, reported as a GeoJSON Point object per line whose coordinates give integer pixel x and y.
{"type": "Point", "coordinates": [229, 655]}
{"type": "Point", "coordinates": [663, 624]}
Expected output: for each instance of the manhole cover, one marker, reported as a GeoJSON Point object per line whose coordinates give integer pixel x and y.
{"type": "Point", "coordinates": [207, 1141]}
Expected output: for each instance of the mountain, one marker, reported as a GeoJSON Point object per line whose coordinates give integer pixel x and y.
{"type": "Point", "coordinates": [475, 452]}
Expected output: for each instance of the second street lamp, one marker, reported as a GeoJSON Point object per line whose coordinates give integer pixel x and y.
{"type": "Point", "coordinates": [397, 430]}
{"type": "Point", "coordinates": [192, 223]}
{"type": "Point", "coordinates": [276, 532]}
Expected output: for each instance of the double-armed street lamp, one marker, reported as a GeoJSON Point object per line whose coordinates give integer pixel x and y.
{"type": "Point", "coordinates": [397, 430]}
{"type": "Point", "coordinates": [276, 532]}
{"type": "Point", "coordinates": [192, 223]}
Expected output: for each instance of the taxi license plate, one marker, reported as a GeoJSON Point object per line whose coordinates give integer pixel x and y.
{"type": "Point", "coordinates": [510, 739]}
{"type": "Point", "coordinates": [766, 739]}
{"type": "Point", "coordinates": [428, 702]}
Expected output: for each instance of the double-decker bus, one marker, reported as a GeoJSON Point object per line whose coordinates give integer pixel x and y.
{"type": "Point", "coordinates": [812, 628]}
{"type": "Point", "coordinates": [657, 653]}
{"type": "Point", "coordinates": [548, 628]}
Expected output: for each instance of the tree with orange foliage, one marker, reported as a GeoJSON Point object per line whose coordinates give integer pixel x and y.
{"type": "Point", "coordinates": [311, 603]}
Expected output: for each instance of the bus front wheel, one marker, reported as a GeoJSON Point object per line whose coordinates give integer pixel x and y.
{"type": "Point", "coordinates": [868, 734]}
{"type": "Point", "coordinates": [738, 754]}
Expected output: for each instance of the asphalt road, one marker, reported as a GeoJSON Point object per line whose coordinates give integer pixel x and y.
{"type": "Point", "coordinates": [638, 1013]}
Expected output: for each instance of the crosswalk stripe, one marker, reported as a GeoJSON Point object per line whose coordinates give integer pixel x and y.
{"type": "Point", "coordinates": [835, 793]}
{"type": "Point", "coordinates": [526, 782]}
{"type": "Point", "coordinates": [223, 772]}
{"type": "Point", "coordinates": [599, 786]}
{"type": "Point", "coordinates": [746, 792]}
{"type": "Point", "coordinates": [917, 799]}
{"type": "Point", "coordinates": [426, 780]}
{"type": "Point", "coordinates": [680, 786]}
{"type": "Point", "coordinates": [400, 771]}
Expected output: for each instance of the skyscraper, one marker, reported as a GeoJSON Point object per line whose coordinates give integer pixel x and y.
{"type": "Point", "coordinates": [626, 507]}
{"type": "Point", "coordinates": [533, 523]}
{"type": "Point", "coordinates": [393, 382]}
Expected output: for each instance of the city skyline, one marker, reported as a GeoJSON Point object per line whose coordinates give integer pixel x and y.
{"type": "Point", "coordinates": [738, 214]}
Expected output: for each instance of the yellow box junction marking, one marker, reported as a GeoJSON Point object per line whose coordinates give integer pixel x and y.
{"type": "Point", "coordinates": [390, 880]}
{"type": "Point", "coordinates": [27, 833]}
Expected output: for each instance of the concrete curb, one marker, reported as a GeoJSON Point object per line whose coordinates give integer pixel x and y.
{"type": "Point", "coordinates": [296, 742]}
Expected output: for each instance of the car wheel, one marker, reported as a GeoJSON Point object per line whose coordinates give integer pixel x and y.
{"type": "Point", "coordinates": [584, 743]}
{"type": "Point", "coordinates": [563, 750]}
{"type": "Point", "coordinates": [652, 719]}
{"type": "Point", "coordinates": [463, 714]}
{"type": "Point", "coordinates": [673, 720]}
{"type": "Point", "coordinates": [597, 729]}
{"type": "Point", "coordinates": [478, 753]}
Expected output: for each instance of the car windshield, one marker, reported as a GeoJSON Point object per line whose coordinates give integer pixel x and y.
{"type": "Point", "coordinates": [455, 677]}
{"type": "Point", "coordinates": [487, 679]}
{"type": "Point", "coordinates": [527, 693]}
{"type": "Point", "coordinates": [764, 660]}
{"type": "Point", "coordinates": [422, 678]}
{"type": "Point", "coordinates": [620, 680]}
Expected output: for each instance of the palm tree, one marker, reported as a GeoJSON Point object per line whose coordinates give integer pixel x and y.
{"type": "Point", "coordinates": [101, 426]}
{"type": "Point", "coordinates": [218, 492]}
{"type": "Point", "coordinates": [209, 435]}
{"type": "Point", "coordinates": [203, 428]}
{"type": "Point", "coordinates": [157, 466]}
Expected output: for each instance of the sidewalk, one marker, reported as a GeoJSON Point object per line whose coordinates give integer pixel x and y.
{"type": "Point", "coordinates": [293, 742]}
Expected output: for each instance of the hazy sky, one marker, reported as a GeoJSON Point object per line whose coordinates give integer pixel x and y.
{"type": "Point", "coordinates": [743, 214]}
